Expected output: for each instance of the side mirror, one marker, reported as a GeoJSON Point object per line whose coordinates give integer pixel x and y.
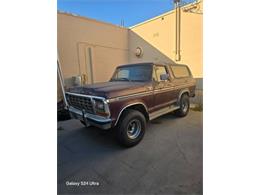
{"type": "Point", "coordinates": [164, 77]}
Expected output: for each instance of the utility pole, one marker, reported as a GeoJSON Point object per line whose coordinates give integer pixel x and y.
{"type": "Point", "coordinates": [177, 30]}
{"type": "Point", "coordinates": [122, 23]}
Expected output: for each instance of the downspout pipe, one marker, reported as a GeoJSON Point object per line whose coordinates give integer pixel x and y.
{"type": "Point", "coordinates": [179, 34]}
{"type": "Point", "coordinates": [177, 30]}
{"type": "Point", "coordinates": [176, 26]}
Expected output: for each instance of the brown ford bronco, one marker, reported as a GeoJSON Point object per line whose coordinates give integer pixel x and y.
{"type": "Point", "coordinates": [135, 94]}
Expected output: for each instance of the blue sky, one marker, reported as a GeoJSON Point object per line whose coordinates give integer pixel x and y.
{"type": "Point", "coordinates": [113, 11]}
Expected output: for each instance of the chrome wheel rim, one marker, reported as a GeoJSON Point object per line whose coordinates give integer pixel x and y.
{"type": "Point", "coordinates": [133, 129]}
{"type": "Point", "coordinates": [185, 106]}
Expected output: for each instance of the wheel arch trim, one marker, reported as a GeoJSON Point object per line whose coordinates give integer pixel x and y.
{"type": "Point", "coordinates": [127, 106]}
{"type": "Point", "coordinates": [186, 90]}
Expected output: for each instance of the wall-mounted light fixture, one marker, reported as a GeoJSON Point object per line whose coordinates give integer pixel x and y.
{"type": "Point", "coordinates": [139, 52]}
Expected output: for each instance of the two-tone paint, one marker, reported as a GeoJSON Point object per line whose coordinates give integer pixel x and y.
{"type": "Point", "coordinates": [152, 98]}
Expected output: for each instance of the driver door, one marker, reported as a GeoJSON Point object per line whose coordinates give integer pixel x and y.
{"type": "Point", "coordinates": [162, 88]}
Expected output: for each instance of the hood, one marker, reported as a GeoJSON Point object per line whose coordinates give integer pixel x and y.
{"type": "Point", "coordinates": [110, 89]}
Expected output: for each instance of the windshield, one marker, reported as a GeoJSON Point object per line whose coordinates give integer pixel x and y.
{"type": "Point", "coordinates": [133, 73]}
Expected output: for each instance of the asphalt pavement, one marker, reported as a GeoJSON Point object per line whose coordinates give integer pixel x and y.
{"type": "Point", "coordinates": [167, 161]}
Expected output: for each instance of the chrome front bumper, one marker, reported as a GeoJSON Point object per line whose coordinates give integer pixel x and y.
{"type": "Point", "coordinates": [90, 119]}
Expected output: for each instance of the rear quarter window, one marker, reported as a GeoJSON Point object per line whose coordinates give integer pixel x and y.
{"type": "Point", "coordinates": [180, 71]}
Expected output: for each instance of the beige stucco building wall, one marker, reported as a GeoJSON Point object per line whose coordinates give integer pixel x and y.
{"type": "Point", "coordinates": [159, 33]}
{"type": "Point", "coordinates": [90, 48]}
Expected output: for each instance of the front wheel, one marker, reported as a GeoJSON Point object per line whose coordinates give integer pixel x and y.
{"type": "Point", "coordinates": [131, 128]}
{"type": "Point", "coordinates": [184, 106]}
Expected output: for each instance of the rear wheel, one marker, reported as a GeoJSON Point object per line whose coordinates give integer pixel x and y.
{"type": "Point", "coordinates": [131, 128]}
{"type": "Point", "coordinates": [184, 106]}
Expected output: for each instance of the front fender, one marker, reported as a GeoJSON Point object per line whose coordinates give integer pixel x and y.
{"type": "Point", "coordinates": [117, 108]}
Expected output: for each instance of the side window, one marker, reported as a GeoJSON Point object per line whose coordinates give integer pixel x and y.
{"type": "Point", "coordinates": [180, 71]}
{"type": "Point", "coordinates": [159, 70]}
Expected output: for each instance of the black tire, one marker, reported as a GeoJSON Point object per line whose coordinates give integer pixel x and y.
{"type": "Point", "coordinates": [184, 106]}
{"type": "Point", "coordinates": [127, 131]}
{"type": "Point", "coordinates": [63, 115]}
{"type": "Point", "coordinates": [83, 123]}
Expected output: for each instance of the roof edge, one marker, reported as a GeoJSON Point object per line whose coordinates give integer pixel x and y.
{"type": "Point", "coordinates": [161, 15]}
{"type": "Point", "coordinates": [151, 19]}
{"type": "Point", "coordinates": [91, 19]}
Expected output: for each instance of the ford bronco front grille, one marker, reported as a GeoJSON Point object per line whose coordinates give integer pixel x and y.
{"type": "Point", "coordinates": [80, 103]}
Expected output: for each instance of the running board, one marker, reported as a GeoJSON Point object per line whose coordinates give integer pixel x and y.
{"type": "Point", "coordinates": [163, 111]}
